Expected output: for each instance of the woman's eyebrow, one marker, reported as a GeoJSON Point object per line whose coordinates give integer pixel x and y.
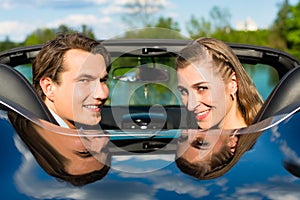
{"type": "Point", "coordinates": [199, 83]}
{"type": "Point", "coordinates": [180, 87]}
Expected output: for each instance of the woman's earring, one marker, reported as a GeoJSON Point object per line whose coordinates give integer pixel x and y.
{"type": "Point", "coordinates": [232, 96]}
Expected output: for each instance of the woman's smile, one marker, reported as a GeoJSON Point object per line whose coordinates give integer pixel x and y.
{"type": "Point", "coordinates": [202, 115]}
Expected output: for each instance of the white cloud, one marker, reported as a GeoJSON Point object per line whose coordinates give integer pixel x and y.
{"type": "Point", "coordinates": [6, 4]}
{"type": "Point", "coordinates": [15, 30]}
{"type": "Point", "coordinates": [117, 6]}
{"type": "Point", "coordinates": [269, 190]}
{"type": "Point", "coordinates": [98, 1]}
{"type": "Point", "coordinates": [147, 157]}
{"type": "Point", "coordinates": [78, 20]}
{"type": "Point", "coordinates": [57, 4]}
{"type": "Point", "coordinates": [143, 162]}
{"type": "Point", "coordinates": [289, 153]}
{"type": "Point", "coordinates": [3, 115]}
{"type": "Point", "coordinates": [102, 27]}
{"type": "Point", "coordinates": [247, 25]}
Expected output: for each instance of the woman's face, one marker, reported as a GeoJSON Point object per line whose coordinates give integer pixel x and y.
{"type": "Point", "coordinates": [204, 93]}
{"type": "Point", "coordinates": [196, 145]}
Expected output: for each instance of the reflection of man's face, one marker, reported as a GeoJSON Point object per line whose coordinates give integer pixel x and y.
{"type": "Point", "coordinates": [204, 93]}
{"type": "Point", "coordinates": [84, 154]}
{"type": "Point", "coordinates": [82, 90]}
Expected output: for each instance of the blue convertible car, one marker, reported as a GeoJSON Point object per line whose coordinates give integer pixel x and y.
{"type": "Point", "coordinates": [144, 126]}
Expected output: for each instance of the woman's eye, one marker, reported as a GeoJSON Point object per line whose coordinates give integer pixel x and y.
{"type": "Point", "coordinates": [202, 88]}
{"type": "Point", "coordinates": [200, 143]}
{"type": "Point", "coordinates": [183, 91]}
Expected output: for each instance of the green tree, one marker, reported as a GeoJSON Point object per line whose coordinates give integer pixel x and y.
{"type": "Point", "coordinates": [286, 28]}
{"type": "Point", "coordinates": [198, 28]}
{"type": "Point", "coordinates": [39, 36]}
{"type": "Point", "coordinates": [219, 22]}
{"type": "Point", "coordinates": [293, 30]}
{"type": "Point", "coordinates": [8, 44]}
{"type": "Point", "coordinates": [164, 28]}
{"type": "Point", "coordinates": [87, 31]}
{"type": "Point", "coordinates": [220, 19]}
{"type": "Point", "coordinates": [141, 13]}
{"type": "Point", "coordinates": [278, 29]}
{"type": "Point", "coordinates": [153, 32]}
{"type": "Point", "coordinates": [168, 23]}
{"type": "Point", "coordinates": [43, 35]}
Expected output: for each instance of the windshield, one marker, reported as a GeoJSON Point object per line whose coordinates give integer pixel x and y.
{"type": "Point", "coordinates": [164, 92]}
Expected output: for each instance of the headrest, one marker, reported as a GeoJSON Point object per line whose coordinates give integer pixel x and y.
{"type": "Point", "coordinates": [284, 98]}
{"type": "Point", "coordinates": [16, 91]}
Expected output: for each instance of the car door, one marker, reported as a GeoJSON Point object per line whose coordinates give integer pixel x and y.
{"type": "Point", "coordinates": [144, 120]}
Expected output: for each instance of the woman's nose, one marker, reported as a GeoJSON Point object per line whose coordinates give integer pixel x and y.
{"type": "Point", "coordinates": [193, 101]}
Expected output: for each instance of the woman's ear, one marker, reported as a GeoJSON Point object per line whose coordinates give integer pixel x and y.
{"type": "Point", "coordinates": [232, 143]}
{"type": "Point", "coordinates": [48, 87]}
{"type": "Point", "coordinates": [233, 84]}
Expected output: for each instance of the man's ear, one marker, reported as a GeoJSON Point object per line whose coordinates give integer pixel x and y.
{"type": "Point", "coordinates": [48, 87]}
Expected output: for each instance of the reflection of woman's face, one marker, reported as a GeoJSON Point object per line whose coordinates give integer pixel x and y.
{"type": "Point", "coordinates": [84, 155]}
{"type": "Point", "coordinates": [204, 93]}
{"type": "Point", "coordinates": [196, 145]}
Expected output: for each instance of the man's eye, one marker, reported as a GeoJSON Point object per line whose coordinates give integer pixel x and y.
{"type": "Point", "coordinates": [84, 154]}
{"type": "Point", "coordinates": [84, 80]}
{"type": "Point", "coordinates": [182, 139]}
{"type": "Point", "coordinates": [104, 79]}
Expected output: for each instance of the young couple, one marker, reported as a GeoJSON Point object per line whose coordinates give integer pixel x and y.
{"type": "Point", "coordinates": [70, 74]}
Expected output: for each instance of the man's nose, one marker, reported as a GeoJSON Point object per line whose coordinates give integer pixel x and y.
{"type": "Point", "coordinates": [97, 144]}
{"type": "Point", "coordinates": [101, 91]}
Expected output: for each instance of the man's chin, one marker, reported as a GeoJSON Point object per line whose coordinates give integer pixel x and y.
{"type": "Point", "coordinates": [91, 124]}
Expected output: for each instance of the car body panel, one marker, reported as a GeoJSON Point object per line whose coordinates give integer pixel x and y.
{"type": "Point", "coordinates": [143, 167]}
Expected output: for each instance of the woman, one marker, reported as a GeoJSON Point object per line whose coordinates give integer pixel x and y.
{"type": "Point", "coordinates": [215, 87]}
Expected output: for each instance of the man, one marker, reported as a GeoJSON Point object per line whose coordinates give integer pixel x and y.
{"type": "Point", "coordinates": [70, 74]}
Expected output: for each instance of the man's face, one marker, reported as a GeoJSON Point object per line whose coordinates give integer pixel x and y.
{"type": "Point", "coordinates": [84, 154]}
{"type": "Point", "coordinates": [82, 90]}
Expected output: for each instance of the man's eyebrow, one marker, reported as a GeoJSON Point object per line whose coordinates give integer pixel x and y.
{"type": "Point", "coordinates": [88, 76]}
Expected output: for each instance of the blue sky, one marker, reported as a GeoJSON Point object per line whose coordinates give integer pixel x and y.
{"type": "Point", "coordinates": [18, 18]}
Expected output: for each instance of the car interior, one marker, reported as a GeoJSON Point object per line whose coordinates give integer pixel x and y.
{"type": "Point", "coordinates": [149, 102]}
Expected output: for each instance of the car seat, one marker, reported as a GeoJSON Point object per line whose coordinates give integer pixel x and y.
{"type": "Point", "coordinates": [16, 92]}
{"type": "Point", "coordinates": [284, 98]}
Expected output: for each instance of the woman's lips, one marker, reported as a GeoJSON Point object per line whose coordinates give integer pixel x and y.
{"type": "Point", "coordinates": [202, 115]}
